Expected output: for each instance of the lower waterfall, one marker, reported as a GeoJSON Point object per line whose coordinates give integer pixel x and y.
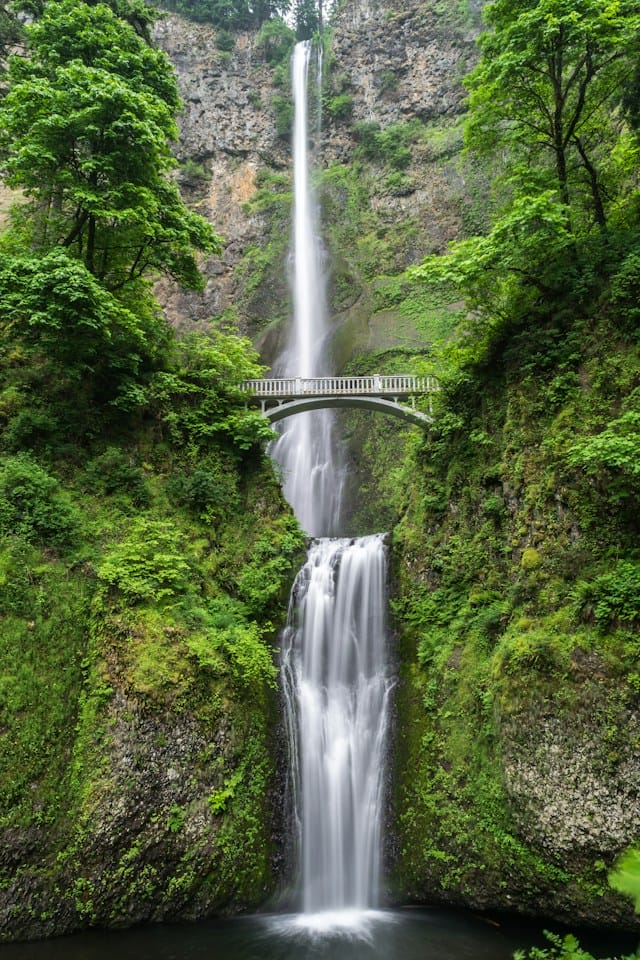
{"type": "Point", "coordinates": [337, 688]}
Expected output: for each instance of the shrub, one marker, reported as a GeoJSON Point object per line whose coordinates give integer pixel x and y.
{"type": "Point", "coordinates": [30, 429]}
{"type": "Point", "coordinates": [390, 146]}
{"type": "Point", "coordinates": [33, 506]}
{"type": "Point", "coordinates": [399, 184]}
{"type": "Point", "coordinates": [210, 491]}
{"type": "Point", "coordinates": [387, 81]}
{"type": "Point", "coordinates": [225, 40]}
{"type": "Point", "coordinates": [613, 454]}
{"type": "Point", "coordinates": [340, 107]}
{"type": "Point", "coordinates": [113, 472]}
{"type": "Point", "coordinates": [284, 116]}
{"type": "Point", "coordinates": [149, 564]}
{"type": "Point", "coordinates": [613, 597]}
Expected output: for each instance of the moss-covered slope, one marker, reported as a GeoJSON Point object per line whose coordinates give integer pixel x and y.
{"type": "Point", "coordinates": [142, 590]}
{"type": "Point", "coordinates": [518, 571]}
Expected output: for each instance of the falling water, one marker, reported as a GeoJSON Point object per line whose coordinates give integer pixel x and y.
{"type": "Point", "coordinates": [334, 670]}
{"type": "Point", "coordinates": [305, 450]}
{"type": "Point", "coordinates": [336, 689]}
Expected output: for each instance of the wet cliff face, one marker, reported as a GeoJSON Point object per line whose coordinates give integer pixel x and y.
{"type": "Point", "coordinates": [402, 60]}
{"type": "Point", "coordinates": [227, 133]}
{"type": "Point", "coordinates": [391, 64]}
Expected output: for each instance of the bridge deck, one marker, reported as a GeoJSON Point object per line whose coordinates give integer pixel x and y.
{"type": "Point", "coordinates": [398, 387]}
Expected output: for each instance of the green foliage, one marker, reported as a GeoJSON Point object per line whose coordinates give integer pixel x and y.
{"type": "Point", "coordinates": [339, 107]}
{"type": "Point", "coordinates": [564, 947]}
{"type": "Point", "coordinates": [260, 583]}
{"type": "Point", "coordinates": [612, 456]}
{"type": "Point", "coordinates": [199, 397]}
{"type": "Point", "coordinates": [306, 18]}
{"type": "Point", "coordinates": [57, 311]}
{"type": "Point", "coordinates": [561, 118]}
{"type": "Point", "coordinates": [565, 171]}
{"type": "Point", "coordinates": [33, 505]}
{"type": "Point", "coordinates": [148, 564]}
{"type": "Point", "coordinates": [276, 41]}
{"type": "Point", "coordinates": [176, 819]}
{"type": "Point", "coordinates": [114, 471]}
{"type": "Point", "coordinates": [225, 40]}
{"type": "Point", "coordinates": [387, 81]}
{"type": "Point", "coordinates": [611, 598]}
{"type": "Point", "coordinates": [390, 145]}
{"type": "Point", "coordinates": [625, 292]}
{"type": "Point", "coordinates": [209, 490]}
{"type": "Point", "coordinates": [43, 632]}
{"type": "Point", "coordinates": [398, 184]}
{"type": "Point", "coordinates": [625, 877]}
{"type": "Point", "coordinates": [502, 274]}
{"type": "Point", "coordinates": [86, 126]}
{"type": "Point", "coordinates": [229, 643]}
{"type": "Point", "coordinates": [283, 109]}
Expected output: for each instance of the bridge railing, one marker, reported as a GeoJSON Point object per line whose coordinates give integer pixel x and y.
{"type": "Point", "coordinates": [378, 385]}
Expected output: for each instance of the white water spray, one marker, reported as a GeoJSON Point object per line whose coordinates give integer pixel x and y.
{"type": "Point", "coordinates": [312, 475]}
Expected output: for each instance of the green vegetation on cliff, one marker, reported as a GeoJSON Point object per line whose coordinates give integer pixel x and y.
{"type": "Point", "coordinates": [517, 557]}
{"type": "Point", "coordinates": [145, 550]}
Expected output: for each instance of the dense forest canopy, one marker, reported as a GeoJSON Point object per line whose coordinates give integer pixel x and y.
{"type": "Point", "coordinates": [305, 15]}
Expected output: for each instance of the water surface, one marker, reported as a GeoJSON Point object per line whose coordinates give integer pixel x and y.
{"type": "Point", "coordinates": [352, 935]}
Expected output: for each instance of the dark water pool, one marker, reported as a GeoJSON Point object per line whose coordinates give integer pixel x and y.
{"type": "Point", "coordinates": [381, 935]}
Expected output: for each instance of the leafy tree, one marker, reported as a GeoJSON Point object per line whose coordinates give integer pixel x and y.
{"type": "Point", "coordinates": [85, 131]}
{"type": "Point", "coordinates": [139, 14]}
{"type": "Point", "coordinates": [546, 103]}
{"type": "Point", "coordinates": [547, 87]}
{"type": "Point", "coordinates": [198, 396]}
{"type": "Point", "coordinates": [307, 16]}
{"type": "Point", "coordinates": [527, 255]}
{"type": "Point", "coordinates": [55, 312]}
{"type": "Point", "coordinates": [229, 14]}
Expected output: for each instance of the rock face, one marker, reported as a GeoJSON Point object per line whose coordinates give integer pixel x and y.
{"type": "Point", "coordinates": [572, 796]}
{"type": "Point", "coordinates": [227, 133]}
{"type": "Point", "coordinates": [227, 109]}
{"type": "Point", "coordinates": [402, 60]}
{"type": "Point", "coordinates": [395, 62]}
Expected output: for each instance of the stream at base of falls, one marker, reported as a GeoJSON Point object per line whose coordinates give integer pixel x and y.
{"type": "Point", "coordinates": [409, 934]}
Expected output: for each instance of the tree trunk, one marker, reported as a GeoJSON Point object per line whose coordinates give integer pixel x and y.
{"type": "Point", "coordinates": [91, 245]}
{"type": "Point", "coordinates": [596, 193]}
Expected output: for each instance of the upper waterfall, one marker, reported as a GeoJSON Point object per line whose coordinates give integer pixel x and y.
{"type": "Point", "coordinates": [306, 451]}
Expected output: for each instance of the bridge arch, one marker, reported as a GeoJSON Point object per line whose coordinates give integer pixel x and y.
{"type": "Point", "coordinates": [281, 397]}
{"type": "Point", "coordinates": [391, 408]}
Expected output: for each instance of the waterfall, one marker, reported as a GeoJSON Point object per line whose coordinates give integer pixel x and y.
{"type": "Point", "coordinates": [305, 450]}
{"type": "Point", "coordinates": [336, 690]}
{"type": "Point", "coordinates": [334, 675]}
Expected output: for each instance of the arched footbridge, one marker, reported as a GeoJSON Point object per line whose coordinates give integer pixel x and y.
{"type": "Point", "coordinates": [281, 397]}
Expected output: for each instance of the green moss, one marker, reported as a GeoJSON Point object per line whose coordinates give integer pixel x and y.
{"type": "Point", "coordinates": [164, 615]}
{"type": "Point", "coordinates": [512, 611]}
